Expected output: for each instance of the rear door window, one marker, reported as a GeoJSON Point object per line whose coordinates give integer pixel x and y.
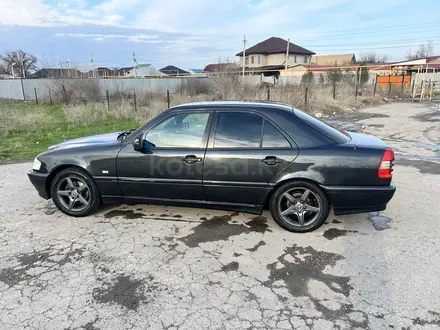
{"type": "Point", "coordinates": [238, 130]}
{"type": "Point", "coordinates": [272, 137]}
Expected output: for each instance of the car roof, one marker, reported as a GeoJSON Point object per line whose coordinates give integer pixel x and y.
{"type": "Point", "coordinates": [234, 104]}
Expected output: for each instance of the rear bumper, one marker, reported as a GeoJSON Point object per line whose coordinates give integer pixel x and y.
{"type": "Point", "coordinates": [39, 181]}
{"type": "Point", "coordinates": [349, 200]}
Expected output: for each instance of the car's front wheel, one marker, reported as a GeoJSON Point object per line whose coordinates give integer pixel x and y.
{"type": "Point", "coordinates": [299, 206]}
{"type": "Point", "coordinates": [74, 192]}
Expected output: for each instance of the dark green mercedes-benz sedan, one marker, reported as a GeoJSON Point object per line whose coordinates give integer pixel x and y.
{"type": "Point", "coordinates": [230, 155]}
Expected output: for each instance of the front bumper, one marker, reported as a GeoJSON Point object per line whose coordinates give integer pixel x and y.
{"type": "Point", "coordinates": [39, 181]}
{"type": "Point", "coordinates": [350, 200]}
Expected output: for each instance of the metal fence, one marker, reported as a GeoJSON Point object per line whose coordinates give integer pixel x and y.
{"type": "Point", "coordinates": [43, 89]}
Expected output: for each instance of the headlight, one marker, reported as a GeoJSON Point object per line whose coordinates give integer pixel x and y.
{"type": "Point", "coordinates": [37, 165]}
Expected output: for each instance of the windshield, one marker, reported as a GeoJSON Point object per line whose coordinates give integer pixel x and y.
{"type": "Point", "coordinates": [333, 133]}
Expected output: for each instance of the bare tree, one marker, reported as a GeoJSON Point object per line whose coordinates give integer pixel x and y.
{"type": "Point", "coordinates": [372, 57]}
{"type": "Point", "coordinates": [22, 62]}
{"type": "Point", "coordinates": [423, 51]}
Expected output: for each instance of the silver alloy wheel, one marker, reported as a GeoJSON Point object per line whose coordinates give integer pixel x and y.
{"type": "Point", "coordinates": [299, 207]}
{"type": "Point", "coordinates": [73, 193]}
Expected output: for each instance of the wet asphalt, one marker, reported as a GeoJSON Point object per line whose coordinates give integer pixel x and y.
{"type": "Point", "coordinates": [159, 267]}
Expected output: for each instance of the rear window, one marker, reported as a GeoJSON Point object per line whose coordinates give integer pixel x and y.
{"type": "Point", "coordinates": [336, 135]}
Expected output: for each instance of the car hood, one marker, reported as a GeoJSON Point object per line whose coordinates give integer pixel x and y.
{"type": "Point", "coordinates": [104, 139]}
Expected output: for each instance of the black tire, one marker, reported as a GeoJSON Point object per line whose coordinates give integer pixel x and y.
{"type": "Point", "coordinates": [65, 193]}
{"type": "Point", "coordinates": [292, 220]}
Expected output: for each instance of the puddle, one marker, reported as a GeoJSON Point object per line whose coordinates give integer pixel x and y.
{"type": "Point", "coordinates": [232, 266]}
{"type": "Point", "coordinates": [299, 266]}
{"type": "Point", "coordinates": [220, 228]}
{"type": "Point", "coordinates": [257, 246]}
{"type": "Point", "coordinates": [427, 146]}
{"type": "Point", "coordinates": [45, 259]}
{"type": "Point", "coordinates": [424, 166]}
{"type": "Point", "coordinates": [428, 116]}
{"type": "Point", "coordinates": [127, 214]}
{"type": "Point", "coordinates": [124, 291]}
{"type": "Point", "coordinates": [333, 233]}
{"type": "Point", "coordinates": [380, 222]}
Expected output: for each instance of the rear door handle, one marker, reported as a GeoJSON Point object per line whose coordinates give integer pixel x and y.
{"type": "Point", "coordinates": [191, 159]}
{"type": "Point", "coordinates": [271, 160]}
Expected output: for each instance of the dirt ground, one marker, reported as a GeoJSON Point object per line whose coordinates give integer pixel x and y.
{"type": "Point", "coordinates": [154, 267]}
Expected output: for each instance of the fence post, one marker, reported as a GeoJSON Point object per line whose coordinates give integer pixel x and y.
{"type": "Point", "coordinates": [134, 98]}
{"type": "Point", "coordinates": [65, 94]}
{"type": "Point", "coordinates": [389, 85]}
{"type": "Point", "coordinates": [50, 97]}
{"type": "Point", "coordinates": [334, 90]}
{"type": "Point", "coordinates": [268, 93]}
{"type": "Point", "coordinates": [412, 83]}
{"type": "Point", "coordinates": [36, 96]}
{"type": "Point", "coordinates": [356, 93]}
{"type": "Point", "coordinates": [403, 83]}
{"type": "Point", "coordinates": [168, 98]}
{"type": "Point", "coordinates": [22, 89]}
{"type": "Point", "coordinates": [375, 86]}
{"type": "Point", "coordinates": [108, 100]}
{"type": "Point", "coordinates": [305, 97]}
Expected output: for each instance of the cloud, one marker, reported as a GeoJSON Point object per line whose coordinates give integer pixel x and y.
{"type": "Point", "coordinates": [143, 38]}
{"type": "Point", "coordinates": [177, 31]}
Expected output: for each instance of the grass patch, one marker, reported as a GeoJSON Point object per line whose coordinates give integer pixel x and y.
{"type": "Point", "coordinates": [28, 129]}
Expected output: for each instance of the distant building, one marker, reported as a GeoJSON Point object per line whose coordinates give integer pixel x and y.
{"type": "Point", "coordinates": [4, 74]}
{"type": "Point", "coordinates": [140, 70]}
{"type": "Point", "coordinates": [172, 70]}
{"type": "Point", "coordinates": [56, 73]}
{"type": "Point", "coordinates": [195, 71]}
{"type": "Point", "coordinates": [270, 56]}
{"type": "Point", "coordinates": [339, 59]}
{"type": "Point", "coordinates": [221, 67]}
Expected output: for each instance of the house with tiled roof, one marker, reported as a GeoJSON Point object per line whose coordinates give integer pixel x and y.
{"type": "Point", "coordinates": [270, 56]}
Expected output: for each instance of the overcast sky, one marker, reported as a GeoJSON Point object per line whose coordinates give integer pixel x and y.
{"type": "Point", "coordinates": [193, 33]}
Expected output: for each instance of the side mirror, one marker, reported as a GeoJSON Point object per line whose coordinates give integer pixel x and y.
{"type": "Point", "coordinates": [138, 144]}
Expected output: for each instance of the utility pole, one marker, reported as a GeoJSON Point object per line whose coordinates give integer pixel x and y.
{"type": "Point", "coordinates": [134, 64]}
{"type": "Point", "coordinates": [244, 55]}
{"type": "Point", "coordinates": [287, 54]}
{"type": "Point", "coordinates": [22, 67]}
{"type": "Point", "coordinates": [61, 69]}
{"type": "Point", "coordinates": [68, 67]}
{"type": "Point", "coordinates": [93, 65]}
{"type": "Point", "coordinates": [12, 69]}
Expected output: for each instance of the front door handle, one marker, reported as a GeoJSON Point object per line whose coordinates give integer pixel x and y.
{"type": "Point", "coordinates": [191, 159]}
{"type": "Point", "coordinates": [271, 160]}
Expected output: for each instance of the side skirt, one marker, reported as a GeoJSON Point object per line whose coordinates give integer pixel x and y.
{"type": "Point", "coordinates": [246, 208]}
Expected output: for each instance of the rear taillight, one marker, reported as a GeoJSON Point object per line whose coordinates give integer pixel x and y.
{"type": "Point", "coordinates": [385, 170]}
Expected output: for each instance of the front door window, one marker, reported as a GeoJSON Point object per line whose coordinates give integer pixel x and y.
{"type": "Point", "coordinates": [183, 130]}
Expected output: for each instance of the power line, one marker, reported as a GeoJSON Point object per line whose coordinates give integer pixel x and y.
{"type": "Point", "coordinates": [375, 42]}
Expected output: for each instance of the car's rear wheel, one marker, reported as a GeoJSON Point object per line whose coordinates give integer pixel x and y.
{"type": "Point", "coordinates": [75, 193]}
{"type": "Point", "coordinates": [299, 206]}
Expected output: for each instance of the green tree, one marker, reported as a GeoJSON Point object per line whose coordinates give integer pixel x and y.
{"type": "Point", "coordinates": [348, 76]}
{"type": "Point", "coordinates": [334, 75]}
{"type": "Point", "coordinates": [364, 75]}
{"type": "Point", "coordinates": [308, 78]}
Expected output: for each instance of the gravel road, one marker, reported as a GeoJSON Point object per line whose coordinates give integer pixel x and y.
{"type": "Point", "coordinates": [154, 267]}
